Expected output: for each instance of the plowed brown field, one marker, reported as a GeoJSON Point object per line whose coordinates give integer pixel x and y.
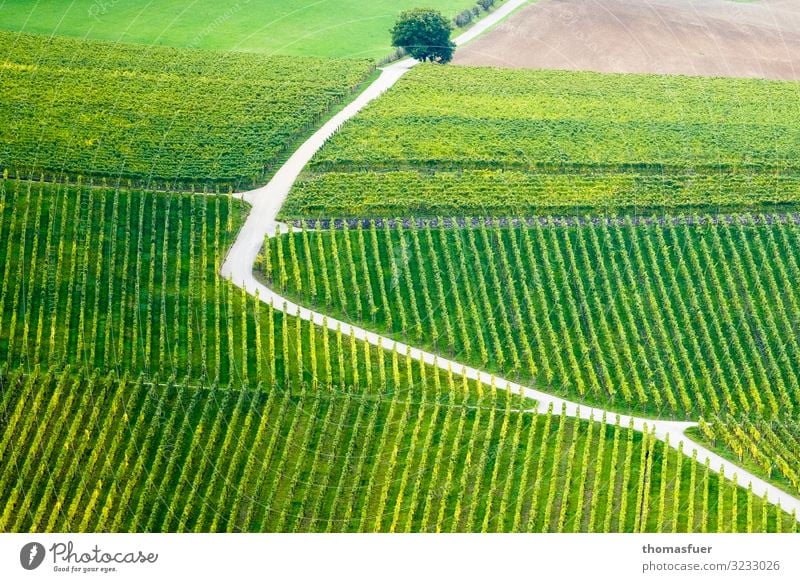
{"type": "Point", "coordinates": [692, 37]}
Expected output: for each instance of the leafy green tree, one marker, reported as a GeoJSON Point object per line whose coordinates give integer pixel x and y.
{"type": "Point", "coordinates": [425, 35]}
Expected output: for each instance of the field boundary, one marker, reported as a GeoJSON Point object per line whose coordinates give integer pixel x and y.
{"type": "Point", "coordinates": [679, 218]}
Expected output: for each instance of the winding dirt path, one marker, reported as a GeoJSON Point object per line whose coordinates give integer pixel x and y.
{"type": "Point", "coordinates": [261, 222]}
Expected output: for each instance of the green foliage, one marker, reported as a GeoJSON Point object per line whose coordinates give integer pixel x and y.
{"type": "Point", "coordinates": [460, 140]}
{"type": "Point", "coordinates": [671, 316]}
{"type": "Point", "coordinates": [192, 406]}
{"type": "Point", "coordinates": [516, 193]}
{"type": "Point", "coordinates": [160, 117]}
{"type": "Point", "coordinates": [117, 279]}
{"type": "Point", "coordinates": [768, 447]}
{"type": "Point", "coordinates": [343, 29]}
{"type": "Point", "coordinates": [465, 17]}
{"type": "Point", "coordinates": [127, 281]}
{"type": "Point", "coordinates": [425, 35]}
{"type": "Point", "coordinates": [150, 456]}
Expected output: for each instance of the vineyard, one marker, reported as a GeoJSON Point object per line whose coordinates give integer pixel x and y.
{"type": "Point", "coordinates": [141, 391]}
{"type": "Point", "coordinates": [194, 395]}
{"type": "Point", "coordinates": [504, 192]}
{"type": "Point", "coordinates": [160, 117]}
{"type": "Point", "coordinates": [485, 141]}
{"type": "Point", "coordinates": [771, 448]}
{"type": "Point", "coordinates": [154, 457]}
{"type": "Point", "coordinates": [671, 317]}
{"type": "Point", "coordinates": [126, 281]}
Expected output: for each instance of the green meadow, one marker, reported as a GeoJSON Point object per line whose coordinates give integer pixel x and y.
{"type": "Point", "coordinates": [322, 28]}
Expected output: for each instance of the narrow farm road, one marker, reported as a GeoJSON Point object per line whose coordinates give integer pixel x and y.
{"type": "Point", "coordinates": [261, 222]}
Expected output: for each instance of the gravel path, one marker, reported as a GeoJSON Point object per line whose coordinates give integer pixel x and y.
{"type": "Point", "coordinates": [261, 222]}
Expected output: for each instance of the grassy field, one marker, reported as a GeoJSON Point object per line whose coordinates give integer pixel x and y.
{"type": "Point", "coordinates": [159, 117]}
{"type": "Point", "coordinates": [321, 28]}
{"type": "Point", "coordinates": [675, 317]}
{"type": "Point", "coordinates": [175, 458]}
{"type": "Point", "coordinates": [472, 141]}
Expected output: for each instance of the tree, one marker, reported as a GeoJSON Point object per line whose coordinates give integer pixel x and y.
{"type": "Point", "coordinates": [425, 35]}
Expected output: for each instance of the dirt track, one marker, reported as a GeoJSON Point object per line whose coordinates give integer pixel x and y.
{"type": "Point", "coordinates": [692, 37]}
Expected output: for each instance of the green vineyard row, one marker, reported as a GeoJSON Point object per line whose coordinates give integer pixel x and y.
{"type": "Point", "coordinates": [126, 281]}
{"type": "Point", "coordinates": [460, 115]}
{"type": "Point", "coordinates": [466, 140]}
{"type": "Point", "coordinates": [771, 448]}
{"type": "Point", "coordinates": [507, 192]}
{"type": "Point", "coordinates": [160, 117]}
{"type": "Point", "coordinates": [99, 454]}
{"type": "Point", "coordinates": [675, 320]}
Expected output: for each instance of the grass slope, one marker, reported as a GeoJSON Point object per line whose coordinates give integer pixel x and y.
{"type": "Point", "coordinates": [326, 28]}
{"type": "Point", "coordinates": [161, 117]}
{"type": "Point", "coordinates": [172, 458]}
{"type": "Point", "coordinates": [686, 318]}
{"type": "Point", "coordinates": [479, 141]}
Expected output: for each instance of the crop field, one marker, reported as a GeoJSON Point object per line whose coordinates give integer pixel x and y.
{"type": "Point", "coordinates": [768, 446]}
{"type": "Point", "coordinates": [713, 38]}
{"type": "Point", "coordinates": [126, 281]}
{"type": "Point", "coordinates": [472, 141]}
{"type": "Point", "coordinates": [513, 193]}
{"type": "Point", "coordinates": [158, 117]}
{"type": "Point", "coordinates": [270, 460]}
{"type": "Point", "coordinates": [117, 279]}
{"type": "Point", "coordinates": [341, 28]}
{"type": "Point", "coordinates": [676, 317]}
{"type": "Point", "coordinates": [625, 242]}
{"type": "Point", "coordinates": [271, 429]}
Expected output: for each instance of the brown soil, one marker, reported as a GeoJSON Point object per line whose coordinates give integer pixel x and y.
{"type": "Point", "coordinates": [691, 37]}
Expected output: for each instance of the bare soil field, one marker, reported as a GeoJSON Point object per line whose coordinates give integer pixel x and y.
{"type": "Point", "coordinates": [759, 38]}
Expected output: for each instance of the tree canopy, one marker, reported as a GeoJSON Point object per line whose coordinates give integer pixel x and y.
{"type": "Point", "coordinates": [425, 35]}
